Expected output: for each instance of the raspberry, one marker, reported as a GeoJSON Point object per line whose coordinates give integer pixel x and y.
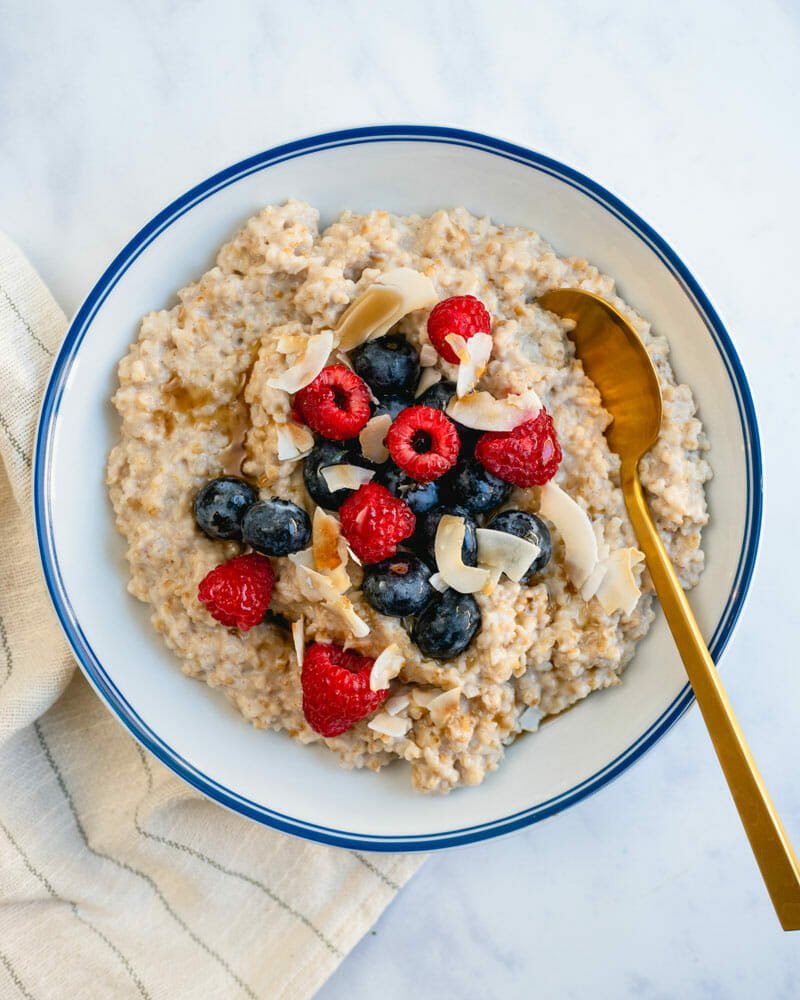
{"type": "Point", "coordinates": [336, 693]}
{"type": "Point", "coordinates": [374, 522]}
{"type": "Point", "coordinates": [335, 404]}
{"type": "Point", "coordinates": [423, 442]}
{"type": "Point", "coordinates": [237, 592]}
{"type": "Point", "coordinates": [462, 314]}
{"type": "Point", "coordinates": [527, 456]}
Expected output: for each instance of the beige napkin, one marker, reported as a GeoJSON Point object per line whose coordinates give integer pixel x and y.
{"type": "Point", "coordinates": [116, 879]}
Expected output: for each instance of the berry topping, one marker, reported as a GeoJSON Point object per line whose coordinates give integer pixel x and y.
{"type": "Point", "coordinates": [423, 442]}
{"type": "Point", "coordinates": [447, 626]}
{"type": "Point", "coordinates": [220, 506]}
{"type": "Point", "coordinates": [438, 396]}
{"type": "Point", "coordinates": [429, 525]}
{"type": "Point", "coordinates": [464, 315]}
{"type": "Point", "coordinates": [420, 497]}
{"type": "Point", "coordinates": [237, 593]}
{"type": "Point", "coordinates": [336, 404]}
{"type": "Point", "coordinates": [527, 456]}
{"type": "Point", "coordinates": [323, 455]}
{"type": "Point", "coordinates": [276, 527]}
{"type": "Point", "coordinates": [471, 486]}
{"type": "Point", "coordinates": [533, 529]}
{"type": "Point", "coordinates": [388, 365]}
{"type": "Point", "coordinates": [336, 691]}
{"type": "Point", "coordinates": [374, 522]}
{"type": "Point", "coordinates": [398, 586]}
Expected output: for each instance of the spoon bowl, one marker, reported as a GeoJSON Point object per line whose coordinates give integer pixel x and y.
{"type": "Point", "coordinates": [615, 359]}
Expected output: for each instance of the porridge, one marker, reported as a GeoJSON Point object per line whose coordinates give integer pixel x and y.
{"type": "Point", "coordinates": [366, 492]}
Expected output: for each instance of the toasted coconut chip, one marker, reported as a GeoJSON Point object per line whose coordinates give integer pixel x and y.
{"type": "Point", "coordinates": [504, 552]}
{"type": "Point", "coordinates": [372, 439]}
{"type": "Point", "coordinates": [329, 589]}
{"type": "Point", "coordinates": [437, 581]}
{"type": "Point", "coordinates": [530, 719]}
{"type": "Point", "coordinates": [575, 528]}
{"type": "Point", "coordinates": [294, 441]}
{"type": "Point", "coordinates": [299, 638]}
{"type": "Point", "coordinates": [346, 477]}
{"type": "Point", "coordinates": [618, 590]}
{"type": "Point", "coordinates": [386, 667]}
{"type": "Point", "coordinates": [396, 704]}
{"type": "Point", "coordinates": [291, 343]}
{"type": "Point", "coordinates": [447, 548]}
{"type": "Point", "coordinates": [428, 356]}
{"type": "Point", "coordinates": [429, 377]}
{"type": "Point", "coordinates": [473, 356]}
{"type": "Point", "coordinates": [395, 726]}
{"type": "Point", "coordinates": [424, 698]}
{"type": "Point", "coordinates": [442, 708]}
{"type": "Point", "coordinates": [482, 412]}
{"type": "Point", "coordinates": [327, 543]}
{"type": "Point", "coordinates": [392, 296]}
{"type": "Point", "coordinates": [306, 368]}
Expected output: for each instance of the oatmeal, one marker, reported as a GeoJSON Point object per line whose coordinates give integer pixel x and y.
{"type": "Point", "coordinates": [211, 387]}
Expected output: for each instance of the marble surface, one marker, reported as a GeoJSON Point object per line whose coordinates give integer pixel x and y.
{"type": "Point", "coordinates": [689, 113]}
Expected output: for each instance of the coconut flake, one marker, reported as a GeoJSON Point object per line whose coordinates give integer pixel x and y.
{"type": "Point", "coordinates": [443, 706]}
{"type": "Point", "coordinates": [424, 698]}
{"type": "Point", "coordinates": [504, 552]}
{"type": "Point", "coordinates": [294, 441]}
{"type": "Point", "coordinates": [306, 369]}
{"type": "Point", "coordinates": [396, 704]}
{"type": "Point", "coordinates": [372, 438]}
{"type": "Point", "coordinates": [428, 356]}
{"type": "Point", "coordinates": [473, 355]}
{"type": "Point", "coordinates": [447, 549]}
{"type": "Point", "coordinates": [327, 543]}
{"type": "Point", "coordinates": [575, 528]}
{"type": "Point", "coordinates": [386, 667]}
{"type": "Point", "coordinates": [482, 412]}
{"type": "Point", "coordinates": [346, 477]}
{"type": "Point", "coordinates": [530, 719]}
{"type": "Point", "coordinates": [392, 296]}
{"type": "Point", "coordinates": [299, 638]}
{"type": "Point", "coordinates": [437, 581]}
{"type": "Point", "coordinates": [291, 343]}
{"type": "Point", "coordinates": [429, 377]}
{"type": "Point", "coordinates": [618, 590]}
{"type": "Point", "coordinates": [395, 726]}
{"type": "Point", "coordinates": [329, 589]}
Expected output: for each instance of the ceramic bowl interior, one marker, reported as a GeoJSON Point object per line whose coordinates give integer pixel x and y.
{"type": "Point", "coordinates": [191, 728]}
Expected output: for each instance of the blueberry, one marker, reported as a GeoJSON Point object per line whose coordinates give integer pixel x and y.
{"type": "Point", "coordinates": [393, 405]}
{"type": "Point", "coordinates": [533, 529]}
{"type": "Point", "coordinates": [420, 497]}
{"type": "Point", "coordinates": [276, 527]}
{"type": "Point", "coordinates": [426, 533]}
{"type": "Point", "coordinates": [398, 586]}
{"type": "Point", "coordinates": [324, 454]}
{"type": "Point", "coordinates": [438, 396]}
{"type": "Point", "coordinates": [389, 365]}
{"type": "Point", "coordinates": [471, 486]}
{"type": "Point", "coordinates": [447, 626]}
{"type": "Point", "coordinates": [221, 504]}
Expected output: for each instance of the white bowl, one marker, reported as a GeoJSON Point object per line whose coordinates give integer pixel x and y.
{"type": "Point", "coordinates": [191, 728]}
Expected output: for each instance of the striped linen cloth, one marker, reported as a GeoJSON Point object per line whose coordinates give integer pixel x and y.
{"type": "Point", "coordinates": [116, 879]}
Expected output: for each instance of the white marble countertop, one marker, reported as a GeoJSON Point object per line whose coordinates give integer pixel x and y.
{"type": "Point", "coordinates": [689, 113]}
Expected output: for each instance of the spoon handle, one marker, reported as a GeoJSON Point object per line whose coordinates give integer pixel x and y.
{"type": "Point", "coordinates": [768, 839]}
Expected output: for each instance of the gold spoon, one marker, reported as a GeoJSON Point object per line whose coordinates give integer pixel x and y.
{"type": "Point", "coordinates": [616, 360]}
